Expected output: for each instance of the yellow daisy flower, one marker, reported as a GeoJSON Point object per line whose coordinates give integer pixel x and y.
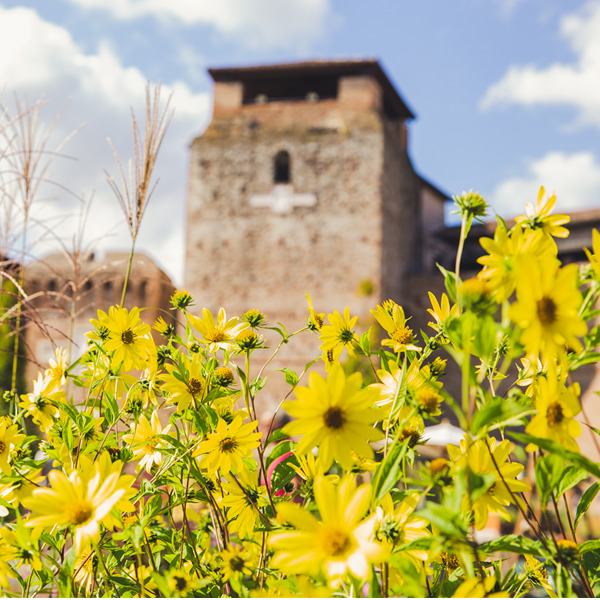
{"type": "Point", "coordinates": [16, 491]}
{"type": "Point", "coordinates": [441, 311]}
{"type": "Point", "coordinates": [336, 415]}
{"type": "Point", "coordinates": [504, 253]}
{"type": "Point", "coordinates": [225, 448]}
{"type": "Point", "coordinates": [391, 317]}
{"type": "Point", "coordinates": [556, 407]}
{"type": "Point", "coordinates": [39, 404]}
{"type": "Point", "coordinates": [235, 563]}
{"type": "Point", "coordinates": [9, 438]}
{"type": "Point", "coordinates": [315, 320]}
{"type": "Point", "coordinates": [81, 502]}
{"type": "Point", "coordinates": [342, 541]}
{"type": "Point", "coordinates": [145, 444]}
{"type": "Point", "coordinates": [129, 338]}
{"type": "Point", "coordinates": [594, 257]}
{"type": "Point", "coordinates": [546, 309]}
{"type": "Point", "coordinates": [58, 366]}
{"type": "Point", "coordinates": [243, 499]}
{"type": "Point", "coordinates": [185, 385]}
{"type": "Point", "coordinates": [338, 331]}
{"type": "Point", "coordinates": [398, 525]}
{"type": "Point", "coordinates": [220, 334]}
{"type": "Point", "coordinates": [477, 456]}
{"type": "Point", "coordinates": [540, 217]}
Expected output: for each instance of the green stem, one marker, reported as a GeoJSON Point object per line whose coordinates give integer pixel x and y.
{"type": "Point", "coordinates": [464, 226]}
{"type": "Point", "coordinates": [128, 272]}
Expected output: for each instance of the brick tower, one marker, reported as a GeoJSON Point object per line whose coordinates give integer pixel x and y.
{"type": "Point", "coordinates": [302, 182]}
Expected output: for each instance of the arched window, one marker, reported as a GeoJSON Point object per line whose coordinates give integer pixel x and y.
{"type": "Point", "coordinates": [282, 170]}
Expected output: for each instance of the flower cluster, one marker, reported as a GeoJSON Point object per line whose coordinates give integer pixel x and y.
{"type": "Point", "coordinates": [147, 474]}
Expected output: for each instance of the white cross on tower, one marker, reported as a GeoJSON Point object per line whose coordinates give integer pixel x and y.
{"type": "Point", "coordinates": [282, 199]}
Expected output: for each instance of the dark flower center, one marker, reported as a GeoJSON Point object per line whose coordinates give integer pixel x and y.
{"type": "Point", "coordinates": [546, 309]}
{"type": "Point", "coordinates": [228, 445]}
{"type": "Point", "coordinates": [554, 414]}
{"type": "Point", "coordinates": [336, 542]}
{"type": "Point", "coordinates": [128, 337]}
{"type": "Point", "coordinates": [195, 386]}
{"type": "Point", "coordinates": [334, 418]}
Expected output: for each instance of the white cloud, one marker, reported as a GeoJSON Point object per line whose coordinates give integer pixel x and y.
{"type": "Point", "coordinates": [39, 58]}
{"type": "Point", "coordinates": [576, 84]}
{"type": "Point", "coordinates": [575, 178]}
{"type": "Point", "coordinates": [260, 23]}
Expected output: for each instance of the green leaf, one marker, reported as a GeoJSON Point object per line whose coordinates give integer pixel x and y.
{"type": "Point", "coordinates": [290, 376]}
{"type": "Point", "coordinates": [554, 447]}
{"type": "Point", "coordinates": [283, 473]}
{"type": "Point", "coordinates": [518, 544]}
{"type": "Point", "coordinates": [589, 546]}
{"type": "Point", "coordinates": [365, 343]}
{"type": "Point", "coordinates": [282, 448]}
{"type": "Point", "coordinates": [485, 341]}
{"type": "Point", "coordinates": [548, 471]}
{"type": "Point", "coordinates": [449, 281]}
{"type": "Point", "coordinates": [65, 576]}
{"type": "Point", "coordinates": [571, 476]}
{"type": "Point", "coordinates": [498, 412]}
{"type": "Point", "coordinates": [448, 522]}
{"type": "Point", "coordinates": [585, 501]}
{"type": "Point", "coordinates": [277, 436]}
{"type": "Point", "coordinates": [388, 471]}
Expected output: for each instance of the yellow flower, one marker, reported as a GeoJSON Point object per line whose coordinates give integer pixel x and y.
{"type": "Point", "coordinates": [594, 257]}
{"type": "Point", "coordinates": [235, 563]}
{"type": "Point", "coordinates": [315, 320]}
{"type": "Point", "coordinates": [106, 468]}
{"type": "Point", "coordinates": [165, 329]}
{"type": "Point", "coordinates": [398, 525]}
{"type": "Point", "coordinates": [58, 367]}
{"type": "Point", "coordinates": [185, 383]}
{"type": "Point", "coordinates": [180, 583]}
{"type": "Point", "coordinates": [228, 445]}
{"type": "Point", "coordinates": [81, 502]}
{"type": "Point", "coordinates": [548, 301]}
{"type": "Point", "coordinates": [505, 252]}
{"type": "Point", "coordinates": [475, 587]}
{"type": "Point", "coordinates": [128, 337]}
{"type": "Point", "coordinates": [145, 444]}
{"type": "Point", "coordinates": [24, 541]}
{"type": "Point", "coordinates": [331, 357]}
{"type": "Point", "coordinates": [338, 331]}
{"type": "Point", "coordinates": [310, 468]}
{"type": "Point", "coordinates": [16, 491]}
{"type": "Point", "coordinates": [540, 217]}
{"type": "Point", "coordinates": [391, 317]}
{"type": "Point", "coordinates": [9, 438]}
{"type": "Point", "coordinates": [556, 407]}
{"type": "Point", "coordinates": [39, 404]}
{"type": "Point", "coordinates": [86, 569]}
{"type": "Point", "coordinates": [243, 499]}
{"type": "Point", "coordinates": [336, 415]}
{"type": "Point", "coordinates": [340, 542]}
{"type": "Point", "coordinates": [477, 456]}
{"type": "Point", "coordinates": [441, 311]}
{"type": "Point", "coordinates": [219, 334]}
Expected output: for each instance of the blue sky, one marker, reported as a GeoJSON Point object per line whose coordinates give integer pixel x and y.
{"type": "Point", "coordinates": [506, 92]}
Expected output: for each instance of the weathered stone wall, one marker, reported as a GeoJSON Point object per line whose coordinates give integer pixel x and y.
{"type": "Point", "coordinates": [243, 256]}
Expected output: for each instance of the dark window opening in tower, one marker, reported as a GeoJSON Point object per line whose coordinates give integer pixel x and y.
{"type": "Point", "coordinates": [282, 171]}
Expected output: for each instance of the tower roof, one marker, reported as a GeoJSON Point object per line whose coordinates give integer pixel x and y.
{"type": "Point", "coordinates": [322, 71]}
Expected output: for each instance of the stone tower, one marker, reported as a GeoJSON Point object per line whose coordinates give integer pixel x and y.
{"type": "Point", "coordinates": [302, 181]}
